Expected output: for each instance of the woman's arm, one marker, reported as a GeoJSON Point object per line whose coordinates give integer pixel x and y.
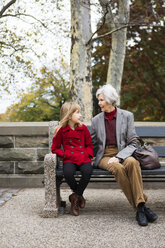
{"type": "Point", "coordinates": [88, 142]}
{"type": "Point", "coordinates": [128, 150]}
{"type": "Point", "coordinates": [93, 133]}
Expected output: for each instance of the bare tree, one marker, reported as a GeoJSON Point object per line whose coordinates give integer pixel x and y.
{"type": "Point", "coordinates": [80, 65]}
{"type": "Point", "coordinates": [81, 46]}
{"type": "Point", "coordinates": [117, 24]}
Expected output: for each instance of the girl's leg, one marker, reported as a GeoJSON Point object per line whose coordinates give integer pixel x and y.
{"type": "Point", "coordinates": [86, 171]}
{"type": "Point", "coordinates": [69, 170]}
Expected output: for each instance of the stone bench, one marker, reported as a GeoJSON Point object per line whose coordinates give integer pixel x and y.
{"type": "Point", "coordinates": [53, 172]}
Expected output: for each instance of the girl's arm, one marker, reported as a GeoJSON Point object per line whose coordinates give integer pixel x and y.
{"type": "Point", "coordinates": [57, 143]}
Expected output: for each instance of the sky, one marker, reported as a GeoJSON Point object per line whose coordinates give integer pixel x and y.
{"type": "Point", "coordinates": [48, 43]}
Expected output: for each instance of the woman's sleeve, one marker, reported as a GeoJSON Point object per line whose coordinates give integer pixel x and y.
{"type": "Point", "coordinates": [93, 134]}
{"type": "Point", "coordinates": [131, 133]}
{"type": "Point", "coordinates": [57, 143]}
{"type": "Point", "coordinates": [88, 143]}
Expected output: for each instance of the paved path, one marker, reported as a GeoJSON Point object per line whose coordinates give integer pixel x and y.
{"type": "Point", "coordinates": [107, 222]}
{"type": "Point", "coordinates": [6, 194]}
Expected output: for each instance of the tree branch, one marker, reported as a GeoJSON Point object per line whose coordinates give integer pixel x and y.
{"type": "Point", "coordinates": [48, 103]}
{"type": "Point", "coordinates": [106, 6]}
{"type": "Point", "coordinates": [27, 15]}
{"type": "Point", "coordinates": [6, 7]}
{"type": "Point", "coordinates": [115, 30]}
{"type": "Point", "coordinates": [22, 14]}
{"type": "Point", "coordinates": [106, 34]}
{"type": "Point", "coordinates": [104, 19]}
{"type": "Point", "coordinates": [11, 46]}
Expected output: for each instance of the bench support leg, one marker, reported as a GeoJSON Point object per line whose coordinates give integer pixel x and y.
{"type": "Point", "coordinates": [62, 204]}
{"type": "Point", "coordinates": [52, 202]}
{"type": "Point", "coordinates": [58, 184]}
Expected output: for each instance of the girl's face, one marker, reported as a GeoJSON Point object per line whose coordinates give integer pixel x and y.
{"type": "Point", "coordinates": [75, 118]}
{"type": "Point", "coordinates": [105, 106]}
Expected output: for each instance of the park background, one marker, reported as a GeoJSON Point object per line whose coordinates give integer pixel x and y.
{"type": "Point", "coordinates": [58, 50]}
{"type": "Point", "coordinates": [37, 58]}
{"type": "Point", "coordinates": [37, 49]}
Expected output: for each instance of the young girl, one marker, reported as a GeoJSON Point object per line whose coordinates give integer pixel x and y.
{"type": "Point", "coordinates": [72, 142]}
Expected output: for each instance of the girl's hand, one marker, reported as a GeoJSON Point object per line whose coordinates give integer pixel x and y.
{"type": "Point", "coordinates": [114, 160]}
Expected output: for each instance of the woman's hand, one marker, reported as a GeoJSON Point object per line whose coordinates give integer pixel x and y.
{"type": "Point", "coordinates": [114, 160]}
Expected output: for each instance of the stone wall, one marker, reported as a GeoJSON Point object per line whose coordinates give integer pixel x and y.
{"type": "Point", "coordinates": [22, 150]}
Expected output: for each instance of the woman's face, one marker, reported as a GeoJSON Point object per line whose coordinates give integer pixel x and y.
{"type": "Point", "coordinates": [105, 106]}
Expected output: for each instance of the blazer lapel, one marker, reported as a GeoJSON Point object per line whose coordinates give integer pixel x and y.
{"type": "Point", "coordinates": [101, 126]}
{"type": "Point", "coordinates": [118, 126]}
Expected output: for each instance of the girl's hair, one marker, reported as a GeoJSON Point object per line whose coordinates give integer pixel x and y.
{"type": "Point", "coordinates": [66, 111]}
{"type": "Point", "coordinates": [109, 93]}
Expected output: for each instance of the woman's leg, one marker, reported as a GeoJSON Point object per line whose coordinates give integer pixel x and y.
{"type": "Point", "coordinates": [133, 171]}
{"type": "Point", "coordinates": [119, 173]}
{"type": "Point", "coordinates": [118, 170]}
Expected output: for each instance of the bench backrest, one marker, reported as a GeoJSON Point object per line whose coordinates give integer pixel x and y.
{"type": "Point", "coordinates": [155, 135]}
{"type": "Point", "coordinates": [151, 134]}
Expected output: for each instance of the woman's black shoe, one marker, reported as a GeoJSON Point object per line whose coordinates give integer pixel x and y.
{"type": "Point", "coordinates": [151, 216]}
{"type": "Point", "coordinates": [141, 218]}
{"type": "Point", "coordinates": [140, 215]}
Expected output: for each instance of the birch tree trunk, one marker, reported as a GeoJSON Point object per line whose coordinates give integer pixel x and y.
{"type": "Point", "coordinates": [80, 63]}
{"type": "Point", "coordinates": [118, 49]}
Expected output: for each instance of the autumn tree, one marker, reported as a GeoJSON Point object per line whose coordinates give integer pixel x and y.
{"type": "Point", "coordinates": [143, 79]}
{"type": "Point", "coordinates": [145, 21]}
{"type": "Point", "coordinates": [43, 100]}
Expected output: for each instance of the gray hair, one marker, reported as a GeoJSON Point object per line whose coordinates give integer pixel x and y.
{"type": "Point", "coordinates": [109, 93]}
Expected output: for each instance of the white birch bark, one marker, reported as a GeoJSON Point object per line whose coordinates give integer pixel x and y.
{"type": "Point", "coordinates": [80, 74]}
{"type": "Point", "coordinates": [118, 49]}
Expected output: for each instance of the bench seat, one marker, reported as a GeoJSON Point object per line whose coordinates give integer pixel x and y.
{"type": "Point", "coordinates": [101, 172]}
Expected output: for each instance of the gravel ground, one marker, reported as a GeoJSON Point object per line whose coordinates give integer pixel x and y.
{"type": "Point", "coordinates": [107, 221]}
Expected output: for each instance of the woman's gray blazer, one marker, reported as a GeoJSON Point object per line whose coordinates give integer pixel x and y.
{"type": "Point", "coordinates": [124, 131]}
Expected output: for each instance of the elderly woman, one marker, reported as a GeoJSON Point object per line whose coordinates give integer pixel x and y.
{"type": "Point", "coordinates": [111, 131]}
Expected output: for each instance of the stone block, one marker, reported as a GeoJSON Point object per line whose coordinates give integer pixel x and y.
{"type": "Point", "coordinates": [41, 153]}
{"type": "Point", "coordinates": [29, 167]}
{"type": "Point", "coordinates": [6, 167]}
{"type": "Point", "coordinates": [21, 180]}
{"type": "Point", "coordinates": [6, 142]}
{"type": "Point", "coordinates": [24, 128]}
{"type": "Point", "coordinates": [17, 154]}
{"type": "Point", "coordinates": [34, 141]}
